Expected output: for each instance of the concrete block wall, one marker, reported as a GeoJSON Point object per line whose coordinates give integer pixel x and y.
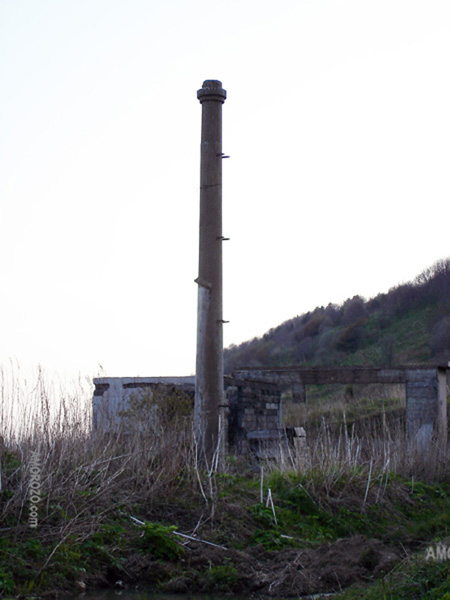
{"type": "Point", "coordinates": [254, 412]}
{"type": "Point", "coordinates": [251, 412]}
{"type": "Point", "coordinates": [421, 396]}
{"type": "Point", "coordinates": [426, 404]}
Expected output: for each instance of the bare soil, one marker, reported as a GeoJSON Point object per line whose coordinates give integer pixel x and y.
{"type": "Point", "coordinates": [285, 573]}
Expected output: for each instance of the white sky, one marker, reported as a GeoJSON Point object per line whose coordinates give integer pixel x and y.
{"type": "Point", "coordinates": [338, 126]}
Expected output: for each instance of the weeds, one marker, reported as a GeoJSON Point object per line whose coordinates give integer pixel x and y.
{"type": "Point", "coordinates": [351, 479]}
{"type": "Point", "coordinates": [222, 577]}
{"type": "Point", "coordinates": [412, 578]}
{"type": "Point", "coordinates": [158, 539]}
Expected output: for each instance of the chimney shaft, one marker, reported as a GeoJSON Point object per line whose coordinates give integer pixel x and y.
{"type": "Point", "coordinates": [209, 392]}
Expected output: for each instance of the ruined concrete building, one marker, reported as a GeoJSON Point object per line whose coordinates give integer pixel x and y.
{"type": "Point", "coordinates": [251, 412]}
{"type": "Point", "coordinates": [252, 408]}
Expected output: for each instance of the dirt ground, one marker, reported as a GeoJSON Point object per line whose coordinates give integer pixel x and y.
{"type": "Point", "coordinates": [327, 569]}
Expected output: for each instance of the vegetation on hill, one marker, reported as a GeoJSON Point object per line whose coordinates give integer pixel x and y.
{"type": "Point", "coordinates": [408, 324]}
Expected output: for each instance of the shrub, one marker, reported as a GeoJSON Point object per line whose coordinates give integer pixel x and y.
{"type": "Point", "coordinates": [440, 336]}
{"type": "Point", "coordinates": [350, 339]}
{"type": "Point", "coordinates": [158, 539]}
{"type": "Point", "coordinates": [222, 577]}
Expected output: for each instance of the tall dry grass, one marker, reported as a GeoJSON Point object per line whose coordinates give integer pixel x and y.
{"type": "Point", "coordinates": [386, 448]}
{"type": "Point", "coordinates": [359, 434]}
{"type": "Point", "coordinates": [87, 475]}
{"type": "Point", "coordinates": [362, 457]}
{"type": "Point", "coordinates": [331, 402]}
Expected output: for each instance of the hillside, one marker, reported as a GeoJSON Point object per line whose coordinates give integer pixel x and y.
{"type": "Point", "coordinates": [408, 324]}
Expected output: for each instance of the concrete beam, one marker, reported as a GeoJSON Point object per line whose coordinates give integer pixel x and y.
{"type": "Point", "coordinates": [335, 375]}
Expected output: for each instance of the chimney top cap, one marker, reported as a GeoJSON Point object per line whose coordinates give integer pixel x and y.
{"type": "Point", "coordinates": [212, 90]}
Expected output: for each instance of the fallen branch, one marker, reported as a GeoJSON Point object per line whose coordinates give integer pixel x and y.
{"type": "Point", "coordinates": [183, 535]}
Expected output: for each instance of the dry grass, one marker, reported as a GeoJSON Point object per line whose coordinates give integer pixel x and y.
{"type": "Point", "coordinates": [331, 402]}
{"type": "Point", "coordinates": [85, 475]}
{"type": "Point", "coordinates": [364, 454]}
{"type": "Point", "coordinates": [89, 481]}
{"type": "Point", "coordinates": [384, 449]}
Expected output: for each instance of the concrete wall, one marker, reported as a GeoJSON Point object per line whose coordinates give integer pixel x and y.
{"type": "Point", "coordinates": [249, 417]}
{"type": "Point", "coordinates": [112, 396]}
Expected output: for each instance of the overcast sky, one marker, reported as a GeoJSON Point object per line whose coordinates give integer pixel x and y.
{"type": "Point", "coordinates": [338, 126]}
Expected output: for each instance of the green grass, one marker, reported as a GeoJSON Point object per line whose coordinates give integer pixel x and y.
{"type": "Point", "coordinates": [311, 508]}
{"type": "Point", "coordinates": [413, 579]}
{"type": "Point", "coordinates": [312, 512]}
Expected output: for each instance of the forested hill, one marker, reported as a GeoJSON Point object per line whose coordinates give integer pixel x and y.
{"type": "Point", "coordinates": [408, 324]}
